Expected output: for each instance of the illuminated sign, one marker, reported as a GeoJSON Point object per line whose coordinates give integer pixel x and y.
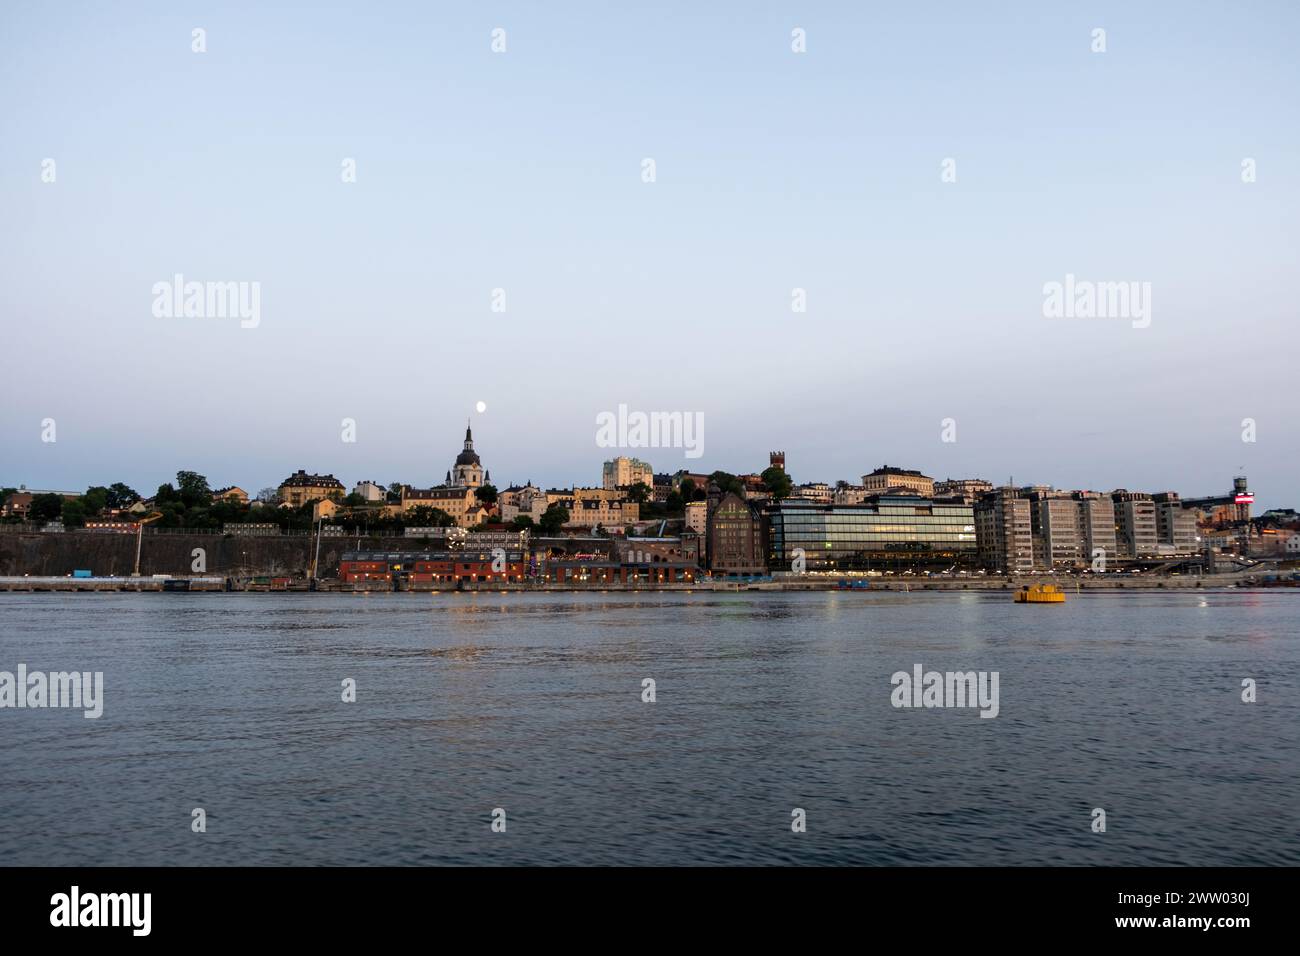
{"type": "Point", "coordinates": [1246, 499]}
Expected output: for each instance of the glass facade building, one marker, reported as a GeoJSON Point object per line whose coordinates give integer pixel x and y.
{"type": "Point", "coordinates": [886, 533]}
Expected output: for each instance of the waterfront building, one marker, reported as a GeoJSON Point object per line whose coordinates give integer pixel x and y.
{"type": "Point", "coordinates": [460, 503]}
{"type": "Point", "coordinates": [1057, 531]}
{"type": "Point", "coordinates": [890, 532]}
{"type": "Point", "coordinates": [527, 500]}
{"type": "Point", "coordinates": [651, 550]}
{"type": "Point", "coordinates": [1219, 510]}
{"type": "Point", "coordinates": [968, 489]}
{"type": "Point", "coordinates": [1097, 525]}
{"type": "Point", "coordinates": [597, 513]}
{"type": "Point", "coordinates": [300, 488]}
{"type": "Point", "coordinates": [1004, 530]}
{"type": "Point", "coordinates": [846, 494]}
{"type": "Point", "coordinates": [700, 481]}
{"type": "Point", "coordinates": [19, 503]}
{"type": "Point", "coordinates": [735, 538]}
{"type": "Point", "coordinates": [817, 491]}
{"type": "Point", "coordinates": [598, 571]}
{"type": "Point", "coordinates": [1175, 525]}
{"type": "Point", "coordinates": [697, 517]}
{"type": "Point", "coordinates": [885, 479]}
{"type": "Point", "coordinates": [1135, 525]}
{"type": "Point", "coordinates": [371, 491]}
{"type": "Point", "coordinates": [623, 472]}
{"type": "Point", "coordinates": [400, 568]}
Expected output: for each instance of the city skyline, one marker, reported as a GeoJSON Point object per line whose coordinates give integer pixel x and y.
{"type": "Point", "coordinates": [591, 479]}
{"type": "Point", "coordinates": [784, 180]}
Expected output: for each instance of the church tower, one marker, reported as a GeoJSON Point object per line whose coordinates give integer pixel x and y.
{"type": "Point", "coordinates": [468, 471]}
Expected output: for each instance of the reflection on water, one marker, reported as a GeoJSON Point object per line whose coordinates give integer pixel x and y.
{"type": "Point", "coordinates": [765, 702]}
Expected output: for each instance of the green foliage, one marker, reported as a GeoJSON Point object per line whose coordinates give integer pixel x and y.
{"type": "Point", "coordinates": [639, 492]}
{"type": "Point", "coordinates": [73, 512]}
{"type": "Point", "coordinates": [554, 518]}
{"type": "Point", "coordinates": [45, 507]}
{"type": "Point", "coordinates": [95, 500]}
{"type": "Point", "coordinates": [487, 494]}
{"type": "Point", "coordinates": [193, 488]}
{"type": "Point", "coordinates": [728, 482]}
{"type": "Point", "coordinates": [777, 482]}
{"type": "Point", "coordinates": [427, 516]}
{"type": "Point", "coordinates": [121, 495]}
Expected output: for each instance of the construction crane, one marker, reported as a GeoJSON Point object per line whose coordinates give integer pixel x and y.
{"type": "Point", "coordinates": [139, 535]}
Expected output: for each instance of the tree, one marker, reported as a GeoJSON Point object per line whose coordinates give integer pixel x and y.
{"type": "Point", "coordinates": [45, 507]}
{"type": "Point", "coordinates": [688, 489]}
{"type": "Point", "coordinates": [269, 496]}
{"type": "Point", "coordinates": [121, 495]}
{"type": "Point", "coordinates": [95, 499]}
{"type": "Point", "coordinates": [73, 512]}
{"type": "Point", "coordinates": [674, 503]}
{"type": "Point", "coordinates": [355, 500]}
{"type": "Point", "coordinates": [639, 492]}
{"type": "Point", "coordinates": [487, 494]}
{"type": "Point", "coordinates": [426, 516]}
{"type": "Point", "coordinates": [193, 488]}
{"type": "Point", "coordinates": [728, 482]}
{"type": "Point", "coordinates": [522, 523]}
{"type": "Point", "coordinates": [777, 482]}
{"type": "Point", "coordinates": [166, 494]}
{"type": "Point", "coordinates": [554, 518]}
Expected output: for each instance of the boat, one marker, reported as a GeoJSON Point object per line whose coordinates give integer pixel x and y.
{"type": "Point", "coordinates": [1041, 594]}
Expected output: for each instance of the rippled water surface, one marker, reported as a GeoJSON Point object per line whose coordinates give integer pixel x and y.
{"type": "Point", "coordinates": [766, 702]}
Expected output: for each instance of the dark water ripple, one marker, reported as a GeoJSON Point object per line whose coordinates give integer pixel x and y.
{"type": "Point", "coordinates": [765, 702]}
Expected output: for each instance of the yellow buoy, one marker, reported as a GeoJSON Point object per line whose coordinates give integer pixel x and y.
{"type": "Point", "coordinates": [1042, 594]}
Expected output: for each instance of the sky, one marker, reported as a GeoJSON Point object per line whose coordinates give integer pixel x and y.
{"type": "Point", "coordinates": [773, 171]}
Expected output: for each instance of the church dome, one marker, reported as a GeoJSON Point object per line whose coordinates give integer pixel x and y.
{"type": "Point", "coordinates": [468, 457]}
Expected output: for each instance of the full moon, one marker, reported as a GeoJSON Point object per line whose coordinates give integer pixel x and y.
{"type": "Point", "coordinates": [481, 407]}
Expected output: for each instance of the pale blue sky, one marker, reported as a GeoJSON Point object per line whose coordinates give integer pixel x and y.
{"type": "Point", "coordinates": [775, 170]}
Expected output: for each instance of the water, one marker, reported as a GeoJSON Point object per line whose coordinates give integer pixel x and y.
{"type": "Point", "coordinates": [765, 702]}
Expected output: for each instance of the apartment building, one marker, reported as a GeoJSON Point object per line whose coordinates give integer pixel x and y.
{"type": "Point", "coordinates": [300, 488]}
{"type": "Point", "coordinates": [884, 478]}
{"type": "Point", "coordinates": [1004, 530]}
{"type": "Point", "coordinates": [623, 472]}
{"type": "Point", "coordinates": [1136, 528]}
{"type": "Point", "coordinates": [1175, 525]}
